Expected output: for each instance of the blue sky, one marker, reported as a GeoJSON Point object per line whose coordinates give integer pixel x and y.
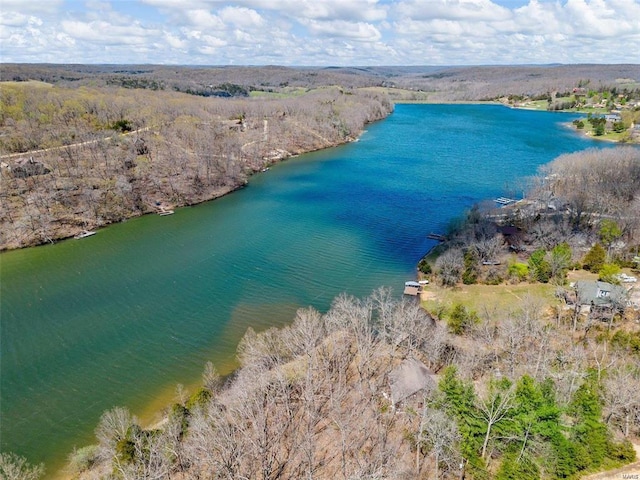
{"type": "Point", "coordinates": [320, 32]}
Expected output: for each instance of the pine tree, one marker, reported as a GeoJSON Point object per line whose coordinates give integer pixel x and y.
{"type": "Point", "coordinates": [589, 431]}
{"type": "Point", "coordinates": [595, 258]}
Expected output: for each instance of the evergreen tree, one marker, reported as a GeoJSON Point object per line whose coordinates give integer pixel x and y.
{"type": "Point", "coordinates": [589, 431]}
{"type": "Point", "coordinates": [470, 274]}
{"type": "Point", "coordinates": [595, 258]}
{"type": "Point", "coordinates": [461, 319]}
{"type": "Point", "coordinates": [459, 402]}
{"type": "Point", "coordinates": [539, 267]}
{"type": "Point", "coordinates": [515, 468]}
{"type": "Point", "coordinates": [609, 233]}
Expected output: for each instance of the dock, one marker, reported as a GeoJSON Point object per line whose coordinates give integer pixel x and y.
{"type": "Point", "coordinates": [163, 211]}
{"type": "Point", "coordinates": [84, 234]}
{"type": "Point", "coordinates": [436, 236]}
{"type": "Point", "coordinates": [412, 288]}
{"type": "Point", "coordinates": [504, 201]}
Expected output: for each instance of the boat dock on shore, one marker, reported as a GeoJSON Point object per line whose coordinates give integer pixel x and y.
{"type": "Point", "coordinates": [436, 236]}
{"type": "Point", "coordinates": [504, 201]}
{"type": "Point", "coordinates": [84, 234]}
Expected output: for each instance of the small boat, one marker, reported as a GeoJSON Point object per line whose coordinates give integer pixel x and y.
{"type": "Point", "coordinates": [163, 213]}
{"type": "Point", "coordinates": [84, 233]}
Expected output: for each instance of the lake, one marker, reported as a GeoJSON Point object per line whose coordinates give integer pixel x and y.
{"type": "Point", "coordinates": [122, 317]}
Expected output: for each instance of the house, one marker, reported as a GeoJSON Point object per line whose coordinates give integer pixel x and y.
{"type": "Point", "coordinates": [612, 117]}
{"type": "Point", "coordinates": [410, 377]}
{"type": "Point", "coordinates": [600, 294]}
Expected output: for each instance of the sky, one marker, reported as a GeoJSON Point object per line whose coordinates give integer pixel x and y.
{"type": "Point", "coordinates": [320, 32]}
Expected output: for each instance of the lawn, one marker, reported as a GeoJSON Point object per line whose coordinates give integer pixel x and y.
{"type": "Point", "coordinates": [486, 298]}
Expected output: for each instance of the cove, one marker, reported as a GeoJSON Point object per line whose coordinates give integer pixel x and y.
{"type": "Point", "coordinates": [120, 318]}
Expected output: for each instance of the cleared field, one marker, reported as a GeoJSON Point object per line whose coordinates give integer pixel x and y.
{"type": "Point", "coordinates": [29, 83]}
{"type": "Point", "coordinates": [486, 298]}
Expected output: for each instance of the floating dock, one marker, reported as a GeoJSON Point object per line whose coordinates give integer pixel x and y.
{"type": "Point", "coordinates": [436, 236]}
{"type": "Point", "coordinates": [504, 201]}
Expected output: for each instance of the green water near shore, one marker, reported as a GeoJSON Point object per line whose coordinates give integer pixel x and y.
{"type": "Point", "coordinates": [120, 318]}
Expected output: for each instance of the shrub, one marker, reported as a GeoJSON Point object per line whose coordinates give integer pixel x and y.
{"type": "Point", "coordinates": [622, 452]}
{"type": "Point", "coordinates": [609, 273]}
{"type": "Point", "coordinates": [122, 125]}
{"type": "Point", "coordinates": [424, 266]}
{"type": "Point", "coordinates": [519, 271]}
{"type": "Point", "coordinates": [469, 276]}
{"type": "Point", "coordinates": [461, 320]}
{"type": "Point", "coordinates": [629, 341]}
{"type": "Point", "coordinates": [198, 399]}
{"type": "Point", "coordinates": [493, 277]}
{"type": "Point", "coordinates": [82, 459]}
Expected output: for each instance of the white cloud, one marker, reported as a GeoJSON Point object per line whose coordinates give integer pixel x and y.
{"type": "Point", "coordinates": [322, 32]}
{"type": "Point", "coordinates": [348, 10]}
{"type": "Point", "coordinates": [202, 18]}
{"type": "Point", "coordinates": [13, 19]}
{"type": "Point", "coordinates": [241, 17]}
{"type": "Point", "coordinates": [176, 42]}
{"type": "Point", "coordinates": [32, 6]}
{"type": "Point", "coordinates": [211, 41]}
{"type": "Point", "coordinates": [340, 29]}
{"type": "Point", "coordinates": [107, 33]}
{"type": "Point", "coordinates": [466, 10]}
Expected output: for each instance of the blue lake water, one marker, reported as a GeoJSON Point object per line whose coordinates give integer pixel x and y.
{"type": "Point", "coordinates": [122, 317]}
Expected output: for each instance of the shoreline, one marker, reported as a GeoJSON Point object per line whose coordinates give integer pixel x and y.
{"type": "Point", "coordinates": [147, 419]}
{"type": "Point", "coordinates": [154, 413]}
{"type": "Point", "coordinates": [69, 233]}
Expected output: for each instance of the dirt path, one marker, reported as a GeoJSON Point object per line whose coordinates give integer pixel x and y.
{"type": "Point", "coordinates": [629, 472]}
{"type": "Point", "coordinates": [72, 145]}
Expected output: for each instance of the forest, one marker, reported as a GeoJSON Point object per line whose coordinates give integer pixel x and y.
{"type": "Point", "coordinates": [102, 155]}
{"type": "Point", "coordinates": [83, 146]}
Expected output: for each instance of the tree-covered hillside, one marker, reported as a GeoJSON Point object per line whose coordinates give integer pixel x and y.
{"type": "Point", "coordinates": [379, 389]}
{"type": "Point", "coordinates": [100, 155]}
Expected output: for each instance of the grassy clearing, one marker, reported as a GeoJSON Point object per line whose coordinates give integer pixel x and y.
{"type": "Point", "coordinates": [286, 92]}
{"type": "Point", "coordinates": [609, 136]}
{"type": "Point", "coordinates": [487, 298]}
{"type": "Point", "coordinates": [401, 95]}
{"type": "Point", "coordinates": [28, 83]}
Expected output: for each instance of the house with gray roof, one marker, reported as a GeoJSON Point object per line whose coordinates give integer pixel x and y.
{"type": "Point", "coordinates": [601, 294]}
